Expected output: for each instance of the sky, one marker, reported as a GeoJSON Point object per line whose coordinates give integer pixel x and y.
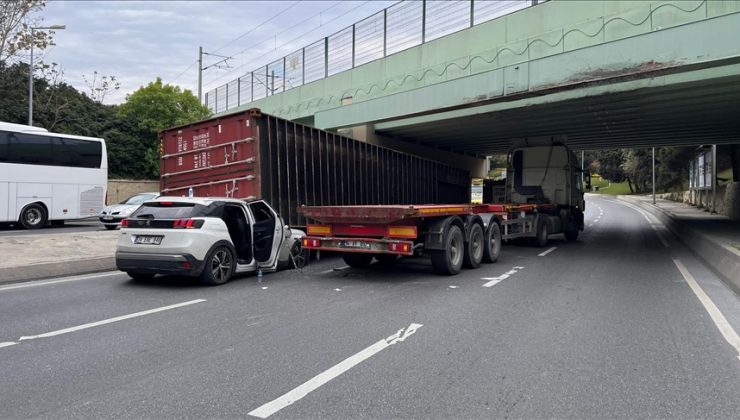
{"type": "Point", "coordinates": [138, 41]}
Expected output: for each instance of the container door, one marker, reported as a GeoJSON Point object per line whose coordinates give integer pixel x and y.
{"type": "Point", "coordinates": [267, 234]}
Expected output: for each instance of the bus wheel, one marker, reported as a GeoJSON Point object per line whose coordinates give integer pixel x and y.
{"type": "Point", "coordinates": [33, 216]}
{"type": "Point", "coordinates": [493, 243]}
{"type": "Point", "coordinates": [474, 247]}
{"type": "Point", "coordinates": [449, 261]}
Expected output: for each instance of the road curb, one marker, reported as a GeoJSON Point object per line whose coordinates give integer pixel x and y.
{"type": "Point", "coordinates": [56, 269]}
{"type": "Point", "coordinates": [722, 259]}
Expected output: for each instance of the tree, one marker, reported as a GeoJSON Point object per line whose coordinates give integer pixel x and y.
{"type": "Point", "coordinates": [158, 106]}
{"type": "Point", "coordinates": [100, 86]}
{"type": "Point", "coordinates": [17, 17]}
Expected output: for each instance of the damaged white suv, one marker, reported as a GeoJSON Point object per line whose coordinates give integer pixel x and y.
{"type": "Point", "coordinates": [209, 238]}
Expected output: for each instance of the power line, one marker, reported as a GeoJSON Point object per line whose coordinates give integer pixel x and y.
{"type": "Point", "coordinates": [258, 26]}
{"type": "Point", "coordinates": [292, 40]}
{"type": "Point", "coordinates": [183, 72]}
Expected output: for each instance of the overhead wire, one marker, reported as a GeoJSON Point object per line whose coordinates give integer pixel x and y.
{"type": "Point", "coordinates": [292, 40]}
{"type": "Point", "coordinates": [261, 24]}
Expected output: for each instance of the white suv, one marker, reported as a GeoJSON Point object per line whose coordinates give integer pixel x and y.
{"type": "Point", "coordinates": [210, 238]}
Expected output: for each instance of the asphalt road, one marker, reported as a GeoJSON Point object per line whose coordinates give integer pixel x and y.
{"type": "Point", "coordinates": [70, 226]}
{"type": "Point", "coordinates": [605, 327]}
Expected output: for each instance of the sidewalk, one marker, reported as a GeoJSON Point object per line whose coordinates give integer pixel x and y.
{"type": "Point", "coordinates": [31, 257]}
{"type": "Point", "coordinates": [714, 238]}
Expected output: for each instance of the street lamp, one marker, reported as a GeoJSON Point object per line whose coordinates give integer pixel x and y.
{"type": "Point", "coordinates": [30, 69]}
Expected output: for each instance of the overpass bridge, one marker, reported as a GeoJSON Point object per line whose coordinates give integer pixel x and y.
{"type": "Point", "coordinates": [601, 74]}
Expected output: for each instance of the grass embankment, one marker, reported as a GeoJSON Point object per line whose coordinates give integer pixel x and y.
{"type": "Point", "coordinates": [621, 188]}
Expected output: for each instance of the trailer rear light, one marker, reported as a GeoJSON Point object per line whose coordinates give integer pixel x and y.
{"type": "Point", "coordinates": [187, 224]}
{"type": "Point", "coordinates": [402, 232]}
{"type": "Point", "coordinates": [400, 247]}
{"type": "Point", "coordinates": [320, 230]}
{"type": "Point", "coordinates": [124, 223]}
{"type": "Point", "coordinates": [311, 242]}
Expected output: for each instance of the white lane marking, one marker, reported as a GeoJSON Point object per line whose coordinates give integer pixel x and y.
{"type": "Point", "coordinates": [542, 254]}
{"type": "Point", "coordinates": [314, 383]}
{"type": "Point", "coordinates": [110, 320]}
{"type": "Point", "coordinates": [8, 344]}
{"type": "Point", "coordinates": [719, 320]}
{"type": "Point", "coordinates": [495, 280]}
{"type": "Point", "coordinates": [63, 280]}
{"type": "Point", "coordinates": [653, 221]}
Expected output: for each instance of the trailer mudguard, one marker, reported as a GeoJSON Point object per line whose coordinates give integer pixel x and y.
{"type": "Point", "coordinates": [434, 231]}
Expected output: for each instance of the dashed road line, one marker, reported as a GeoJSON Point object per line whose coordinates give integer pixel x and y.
{"type": "Point", "coordinates": [106, 321]}
{"type": "Point", "coordinates": [317, 381]}
{"type": "Point", "coordinates": [492, 281]}
{"type": "Point", "coordinates": [542, 254]}
{"type": "Point", "coordinates": [62, 280]}
{"type": "Point", "coordinates": [719, 320]}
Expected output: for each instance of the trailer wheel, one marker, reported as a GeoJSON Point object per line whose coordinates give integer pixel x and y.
{"type": "Point", "coordinates": [493, 243]}
{"type": "Point", "coordinates": [357, 260]}
{"type": "Point", "coordinates": [474, 247]}
{"type": "Point", "coordinates": [541, 239]}
{"type": "Point", "coordinates": [449, 260]}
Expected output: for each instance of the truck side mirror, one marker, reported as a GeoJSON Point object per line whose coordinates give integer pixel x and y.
{"type": "Point", "coordinates": [587, 180]}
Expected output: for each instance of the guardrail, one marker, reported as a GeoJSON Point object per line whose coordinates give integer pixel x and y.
{"type": "Point", "coordinates": [397, 28]}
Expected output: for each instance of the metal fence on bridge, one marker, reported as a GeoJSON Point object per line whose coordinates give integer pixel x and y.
{"type": "Point", "coordinates": [399, 27]}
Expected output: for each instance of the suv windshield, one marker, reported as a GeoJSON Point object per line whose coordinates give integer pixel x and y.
{"type": "Point", "coordinates": [138, 198]}
{"type": "Point", "coordinates": [173, 210]}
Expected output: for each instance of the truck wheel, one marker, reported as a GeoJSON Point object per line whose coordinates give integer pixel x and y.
{"type": "Point", "coordinates": [571, 232]}
{"type": "Point", "coordinates": [474, 247]}
{"type": "Point", "coordinates": [218, 267]}
{"type": "Point", "coordinates": [33, 216]}
{"type": "Point", "coordinates": [386, 259]}
{"type": "Point", "coordinates": [541, 239]}
{"type": "Point", "coordinates": [493, 243]}
{"type": "Point", "coordinates": [449, 260]}
{"type": "Point", "coordinates": [571, 229]}
{"type": "Point", "coordinates": [357, 260]}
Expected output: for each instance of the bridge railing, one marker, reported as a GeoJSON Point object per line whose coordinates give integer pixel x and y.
{"type": "Point", "coordinates": [399, 27]}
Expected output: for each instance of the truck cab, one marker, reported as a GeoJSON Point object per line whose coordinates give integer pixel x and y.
{"type": "Point", "coordinates": [547, 174]}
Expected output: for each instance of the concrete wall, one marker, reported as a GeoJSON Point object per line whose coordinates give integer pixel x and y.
{"type": "Point", "coordinates": [728, 199]}
{"type": "Point", "coordinates": [121, 189]}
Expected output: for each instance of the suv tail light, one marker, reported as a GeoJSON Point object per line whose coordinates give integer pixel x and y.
{"type": "Point", "coordinates": [187, 223]}
{"type": "Point", "coordinates": [124, 223]}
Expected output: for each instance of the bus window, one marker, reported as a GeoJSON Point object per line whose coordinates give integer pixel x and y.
{"type": "Point", "coordinates": [30, 149]}
{"type": "Point", "coordinates": [3, 147]}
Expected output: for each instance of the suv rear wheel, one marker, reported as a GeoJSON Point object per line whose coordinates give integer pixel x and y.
{"type": "Point", "coordinates": [218, 268]}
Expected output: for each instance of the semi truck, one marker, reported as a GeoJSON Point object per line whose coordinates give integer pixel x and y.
{"type": "Point", "coordinates": [252, 155]}
{"type": "Point", "coordinates": [543, 196]}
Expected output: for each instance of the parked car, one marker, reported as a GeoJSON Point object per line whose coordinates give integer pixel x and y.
{"type": "Point", "coordinates": [111, 216]}
{"type": "Point", "coordinates": [209, 238]}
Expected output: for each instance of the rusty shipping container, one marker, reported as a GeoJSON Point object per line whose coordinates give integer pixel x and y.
{"type": "Point", "coordinates": [255, 155]}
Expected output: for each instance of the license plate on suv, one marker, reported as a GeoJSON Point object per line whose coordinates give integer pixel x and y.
{"type": "Point", "coordinates": [356, 244]}
{"type": "Point", "coordinates": [148, 240]}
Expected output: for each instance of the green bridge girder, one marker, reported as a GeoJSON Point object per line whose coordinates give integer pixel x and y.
{"type": "Point", "coordinates": [602, 73]}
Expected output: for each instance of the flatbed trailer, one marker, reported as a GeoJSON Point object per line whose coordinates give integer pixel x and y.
{"type": "Point", "coordinates": [452, 235]}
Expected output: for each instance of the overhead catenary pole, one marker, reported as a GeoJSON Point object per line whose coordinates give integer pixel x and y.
{"type": "Point", "coordinates": [653, 175]}
{"type": "Point", "coordinates": [200, 74]}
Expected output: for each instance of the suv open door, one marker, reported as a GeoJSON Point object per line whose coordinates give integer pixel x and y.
{"type": "Point", "coordinates": [267, 234]}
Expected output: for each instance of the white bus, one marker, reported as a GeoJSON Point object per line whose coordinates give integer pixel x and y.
{"type": "Point", "coordinates": [48, 177]}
